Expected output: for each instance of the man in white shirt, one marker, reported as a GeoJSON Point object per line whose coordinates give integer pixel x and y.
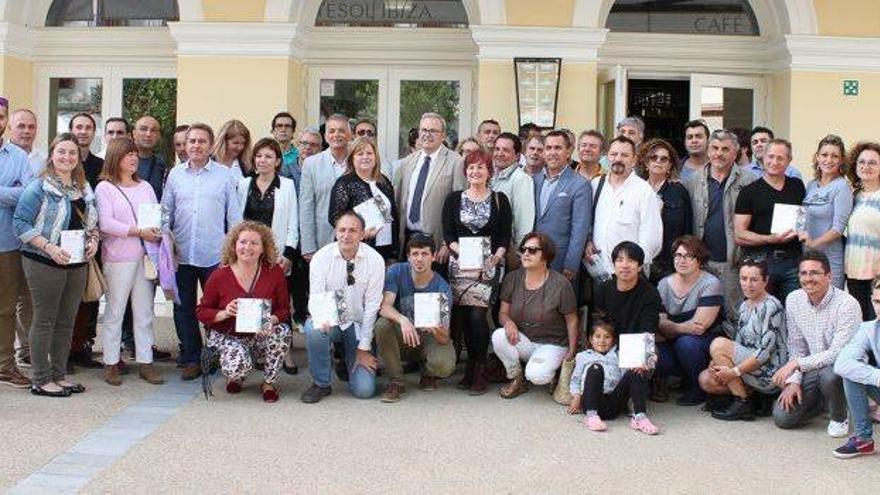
{"type": "Point", "coordinates": [319, 174]}
{"type": "Point", "coordinates": [626, 209]}
{"type": "Point", "coordinates": [23, 127]}
{"type": "Point", "coordinates": [511, 180]}
{"type": "Point", "coordinates": [355, 268]}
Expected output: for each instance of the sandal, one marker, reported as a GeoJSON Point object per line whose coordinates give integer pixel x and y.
{"type": "Point", "coordinates": [641, 423]}
{"type": "Point", "coordinates": [514, 388]}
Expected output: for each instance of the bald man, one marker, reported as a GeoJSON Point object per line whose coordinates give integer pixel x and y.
{"type": "Point", "coordinates": [151, 167]}
{"type": "Point", "coordinates": [23, 131]}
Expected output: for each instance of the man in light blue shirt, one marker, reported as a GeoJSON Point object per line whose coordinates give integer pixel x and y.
{"type": "Point", "coordinates": [15, 173]}
{"type": "Point", "coordinates": [758, 141]}
{"type": "Point", "coordinates": [202, 205]}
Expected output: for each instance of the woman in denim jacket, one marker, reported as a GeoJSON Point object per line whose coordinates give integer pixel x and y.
{"type": "Point", "coordinates": [59, 200]}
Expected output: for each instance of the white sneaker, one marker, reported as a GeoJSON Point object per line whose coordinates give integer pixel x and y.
{"type": "Point", "coordinates": [838, 430]}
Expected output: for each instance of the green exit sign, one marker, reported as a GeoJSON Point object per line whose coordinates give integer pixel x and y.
{"type": "Point", "coordinates": [850, 87]}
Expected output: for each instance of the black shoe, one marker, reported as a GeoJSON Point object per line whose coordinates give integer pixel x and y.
{"type": "Point", "coordinates": [84, 360]}
{"type": "Point", "coordinates": [738, 410]}
{"type": "Point", "coordinates": [691, 398]}
{"type": "Point", "coordinates": [315, 393]}
{"type": "Point", "coordinates": [290, 370]}
{"type": "Point", "coordinates": [341, 370]}
{"type": "Point", "coordinates": [762, 405]}
{"type": "Point", "coordinates": [76, 388]}
{"type": "Point", "coordinates": [161, 356]}
{"type": "Point", "coordinates": [35, 390]}
{"type": "Point", "coordinates": [717, 403]}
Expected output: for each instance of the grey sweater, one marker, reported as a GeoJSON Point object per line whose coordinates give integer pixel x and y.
{"type": "Point", "coordinates": [852, 362]}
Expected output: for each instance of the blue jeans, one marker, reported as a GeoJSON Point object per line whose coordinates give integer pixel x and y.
{"type": "Point", "coordinates": [783, 275]}
{"type": "Point", "coordinates": [361, 381]}
{"type": "Point", "coordinates": [687, 355]}
{"type": "Point", "coordinates": [857, 397]}
{"type": "Point", "coordinates": [188, 279]}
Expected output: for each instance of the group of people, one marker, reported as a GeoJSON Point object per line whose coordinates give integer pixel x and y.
{"type": "Point", "coordinates": [582, 239]}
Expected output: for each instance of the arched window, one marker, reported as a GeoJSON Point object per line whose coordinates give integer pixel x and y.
{"type": "Point", "coordinates": [718, 17]}
{"type": "Point", "coordinates": [392, 13]}
{"type": "Point", "coordinates": [81, 13]}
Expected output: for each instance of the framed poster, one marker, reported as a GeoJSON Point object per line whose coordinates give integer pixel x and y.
{"type": "Point", "coordinates": [537, 90]}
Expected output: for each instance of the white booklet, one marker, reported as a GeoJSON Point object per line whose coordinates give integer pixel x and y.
{"type": "Point", "coordinates": [329, 307]}
{"type": "Point", "coordinates": [74, 242]}
{"type": "Point", "coordinates": [149, 216]}
{"type": "Point", "coordinates": [637, 350]}
{"type": "Point", "coordinates": [252, 315]}
{"type": "Point", "coordinates": [472, 252]}
{"type": "Point", "coordinates": [788, 217]}
{"type": "Point", "coordinates": [431, 310]}
{"type": "Point", "coordinates": [374, 213]}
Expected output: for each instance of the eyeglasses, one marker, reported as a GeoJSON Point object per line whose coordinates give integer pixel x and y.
{"type": "Point", "coordinates": [810, 273]}
{"type": "Point", "coordinates": [309, 143]}
{"type": "Point", "coordinates": [529, 249]}
{"type": "Point", "coordinates": [366, 132]}
{"type": "Point", "coordinates": [659, 158]}
{"type": "Point", "coordinates": [430, 131]}
{"type": "Point", "coordinates": [683, 256]}
{"type": "Point", "coordinates": [867, 163]}
{"type": "Point", "coordinates": [349, 269]}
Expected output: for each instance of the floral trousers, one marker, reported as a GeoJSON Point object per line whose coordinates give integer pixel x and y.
{"type": "Point", "coordinates": [237, 353]}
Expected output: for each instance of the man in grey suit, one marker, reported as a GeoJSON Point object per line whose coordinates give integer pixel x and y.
{"type": "Point", "coordinates": [319, 173]}
{"type": "Point", "coordinates": [423, 181]}
{"type": "Point", "coordinates": [563, 204]}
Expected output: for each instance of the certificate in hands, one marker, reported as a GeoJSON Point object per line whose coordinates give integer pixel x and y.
{"type": "Point", "coordinates": [149, 216]}
{"type": "Point", "coordinates": [788, 217]}
{"type": "Point", "coordinates": [472, 252]}
{"type": "Point", "coordinates": [329, 307]}
{"type": "Point", "coordinates": [252, 315]}
{"type": "Point", "coordinates": [74, 242]}
{"type": "Point", "coordinates": [637, 350]}
{"type": "Point", "coordinates": [431, 310]}
{"type": "Point", "coordinates": [374, 212]}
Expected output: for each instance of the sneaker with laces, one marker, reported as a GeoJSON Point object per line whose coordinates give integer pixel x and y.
{"type": "Point", "coordinates": [13, 378]}
{"type": "Point", "coordinates": [854, 447]}
{"type": "Point", "coordinates": [838, 429]}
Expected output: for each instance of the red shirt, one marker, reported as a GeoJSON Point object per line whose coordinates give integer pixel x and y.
{"type": "Point", "coordinates": [223, 287]}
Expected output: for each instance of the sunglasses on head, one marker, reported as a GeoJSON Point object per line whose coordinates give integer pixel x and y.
{"type": "Point", "coordinates": [530, 249]}
{"type": "Point", "coordinates": [349, 269]}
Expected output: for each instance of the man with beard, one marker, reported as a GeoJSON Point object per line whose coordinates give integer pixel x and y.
{"type": "Point", "coordinates": [626, 208]}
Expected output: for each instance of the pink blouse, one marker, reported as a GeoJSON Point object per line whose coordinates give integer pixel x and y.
{"type": "Point", "coordinates": [115, 219]}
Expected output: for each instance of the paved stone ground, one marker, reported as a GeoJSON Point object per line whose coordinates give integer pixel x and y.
{"type": "Point", "coordinates": [139, 438]}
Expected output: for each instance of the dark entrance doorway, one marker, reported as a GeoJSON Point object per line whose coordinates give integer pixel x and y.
{"type": "Point", "coordinates": [663, 105]}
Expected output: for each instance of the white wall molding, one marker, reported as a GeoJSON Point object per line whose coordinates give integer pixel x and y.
{"type": "Point", "coordinates": [65, 46]}
{"type": "Point", "coordinates": [389, 46]}
{"type": "Point", "coordinates": [833, 53]}
{"type": "Point", "coordinates": [16, 40]}
{"type": "Point", "coordinates": [245, 39]}
{"type": "Point", "coordinates": [575, 44]}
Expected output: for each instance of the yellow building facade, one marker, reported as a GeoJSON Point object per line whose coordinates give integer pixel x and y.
{"type": "Point", "coordinates": [811, 67]}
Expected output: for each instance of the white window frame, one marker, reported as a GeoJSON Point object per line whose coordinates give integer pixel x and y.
{"type": "Point", "coordinates": [388, 111]}
{"type": "Point", "coordinates": [758, 85]}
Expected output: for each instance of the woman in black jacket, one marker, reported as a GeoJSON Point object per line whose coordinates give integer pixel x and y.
{"type": "Point", "coordinates": [476, 212]}
{"type": "Point", "coordinates": [362, 183]}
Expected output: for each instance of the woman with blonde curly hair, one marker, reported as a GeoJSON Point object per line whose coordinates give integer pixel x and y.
{"type": "Point", "coordinates": [233, 148]}
{"type": "Point", "coordinates": [248, 271]}
{"type": "Point", "coordinates": [658, 164]}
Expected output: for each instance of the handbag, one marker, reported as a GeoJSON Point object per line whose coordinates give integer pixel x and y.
{"type": "Point", "coordinates": [562, 394]}
{"type": "Point", "coordinates": [150, 271]}
{"type": "Point", "coordinates": [95, 283]}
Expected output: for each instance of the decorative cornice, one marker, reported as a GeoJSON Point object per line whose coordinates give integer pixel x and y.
{"type": "Point", "coordinates": [244, 39]}
{"type": "Point", "coordinates": [16, 40]}
{"type": "Point", "coordinates": [832, 53]}
{"type": "Point", "coordinates": [573, 44]}
{"type": "Point", "coordinates": [385, 46]}
{"type": "Point", "coordinates": [141, 46]}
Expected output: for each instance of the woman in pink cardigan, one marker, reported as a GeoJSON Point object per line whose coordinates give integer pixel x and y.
{"type": "Point", "coordinates": [123, 248]}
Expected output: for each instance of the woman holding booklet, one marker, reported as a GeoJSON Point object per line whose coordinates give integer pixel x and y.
{"type": "Point", "coordinates": [246, 307]}
{"type": "Point", "coordinates": [862, 254]}
{"type": "Point", "coordinates": [364, 190]}
{"type": "Point", "coordinates": [477, 224]}
{"type": "Point", "coordinates": [56, 221]}
{"type": "Point", "coordinates": [124, 201]}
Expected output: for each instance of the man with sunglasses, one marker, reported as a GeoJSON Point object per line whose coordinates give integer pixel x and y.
{"type": "Point", "coordinates": [713, 194]}
{"type": "Point", "coordinates": [358, 270]}
{"type": "Point", "coordinates": [366, 128]}
{"type": "Point", "coordinates": [821, 319]}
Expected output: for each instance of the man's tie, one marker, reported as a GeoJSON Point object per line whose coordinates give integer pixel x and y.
{"type": "Point", "coordinates": [415, 208]}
